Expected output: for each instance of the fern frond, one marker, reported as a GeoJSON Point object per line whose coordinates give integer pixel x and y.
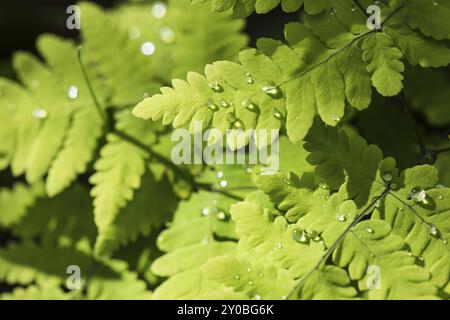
{"type": "Point", "coordinates": [340, 157]}
{"type": "Point", "coordinates": [207, 214]}
{"type": "Point", "coordinates": [66, 218]}
{"type": "Point", "coordinates": [41, 291]}
{"type": "Point", "coordinates": [27, 263]}
{"type": "Point", "coordinates": [120, 169]}
{"type": "Point", "coordinates": [281, 84]}
{"type": "Point", "coordinates": [422, 220]}
{"type": "Point", "coordinates": [15, 202]}
{"type": "Point", "coordinates": [243, 8]}
{"type": "Point", "coordinates": [138, 218]}
{"type": "Point", "coordinates": [155, 47]}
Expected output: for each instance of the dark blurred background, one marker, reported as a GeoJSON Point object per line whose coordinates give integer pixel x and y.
{"type": "Point", "coordinates": [21, 21]}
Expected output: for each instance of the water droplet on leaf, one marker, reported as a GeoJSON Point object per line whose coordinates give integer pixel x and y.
{"type": "Point", "coordinates": [159, 10]}
{"type": "Point", "coordinates": [148, 48]}
{"type": "Point", "coordinates": [224, 183]}
{"type": "Point", "coordinates": [205, 211]}
{"type": "Point", "coordinates": [432, 230]}
{"type": "Point", "coordinates": [167, 35]}
{"type": "Point", "coordinates": [276, 114]}
{"type": "Point", "coordinates": [387, 177]}
{"type": "Point", "coordinates": [216, 86]}
{"type": "Point", "coordinates": [72, 92]}
{"type": "Point", "coordinates": [40, 114]}
{"type": "Point", "coordinates": [271, 89]}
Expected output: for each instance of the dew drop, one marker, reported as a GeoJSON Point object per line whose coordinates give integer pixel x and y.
{"type": "Point", "coordinates": [369, 230]}
{"type": "Point", "coordinates": [249, 269]}
{"type": "Point", "coordinates": [167, 35]}
{"type": "Point", "coordinates": [372, 255]}
{"type": "Point", "coordinates": [40, 114]}
{"type": "Point", "coordinates": [224, 183]}
{"type": "Point", "coordinates": [250, 80]}
{"type": "Point", "coordinates": [432, 230]}
{"type": "Point", "coordinates": [336, 118]}
{"type": "Point", "coordinates": [159, 10]}
{"type": "Point", "coordinates": [205, 211]}
{"type": "Point", "coordinates": [387, 177]}
{"type": "Point", "coordinates": [312, 233]}
{"type": "Point", "coordinates": [299, 236]}
{"type": "Point", "coordinates": [394, 186]}
{"type": "Point", "coordinates": [238, 124]}
{"type": "Point", "coordinates": [216, 86]}
{"type": "Point", "coordinates": [72, 92]}
{"type": "Point", "coordinates": [237, 277]}
{"type": "Point", "coordinates": [134, 33]}
{"type": "Point", "coordinates": [440, 197]}
{"type": "Point", "coordinates": [280, 245]}
{"type": "Point", "coordinates": [271, 89]}
{"type": "Point", "coordinates": [220, 174]}
{"type": "Point", "coordinates": [353, 8]}
{"type": "Point", "coordinates": [324, 186]}
{"type": "Point", "coordinates": [224, 104]}
{"type": "Point", "coordinates": [444, 241]}
{"type": "Point", "coordinates": [250, 106]}
{"type": "Point", "coordinates": [250, 283]}
{"type": "Point", "coordinates": [276, 114]}
{"type": "Point", "coordinates": [260, 275]}
{"type": "Point", "coordinates": [220, 215]}
{"type": "Point", "coordinates": [341, 218]}
{"type": "Point", "coordinates": [249, 170]}
{"type": "Point", "coordinates": [333, 11]}
{"type": "Point", "coordinates": [212, 106]}
{"type": "Point", "coordinates": [418, 195]}
{"type": "Point", "coordinates": [257, 297]}
{"type": "Point", "coordinates": [148, 48]}
{"type": "Point", "coordinates": [435, 2]}
{"type": "Point", "coordinates": [420, 258]}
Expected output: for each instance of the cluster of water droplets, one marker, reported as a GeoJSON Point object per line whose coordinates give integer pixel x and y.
{"type": "Point", "coordinates": [222, 181]}
{"type": "Point", "coordinates": [304, 236]}
{"type": "Point", "coordinates": [418, 195]}
{"type": "Point", "coordinates": [166, 34]}
{"type": "Point", "coordinates": [213, 210]}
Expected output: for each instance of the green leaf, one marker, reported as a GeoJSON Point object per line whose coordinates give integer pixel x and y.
{"type": "Point", "coordinates": [119, 170]}
{"type": "Point", "coordinates": [383, 62]}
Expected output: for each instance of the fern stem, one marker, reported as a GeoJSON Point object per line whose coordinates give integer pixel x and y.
{"type": "Point", "coordinates": [89, 84]}
{"type": "Point", "coordinates": [427, 155]}
{"type": "Point", "coordinates": [369, 209]}
{"type": "Point", "coordinates": [359, 5]}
